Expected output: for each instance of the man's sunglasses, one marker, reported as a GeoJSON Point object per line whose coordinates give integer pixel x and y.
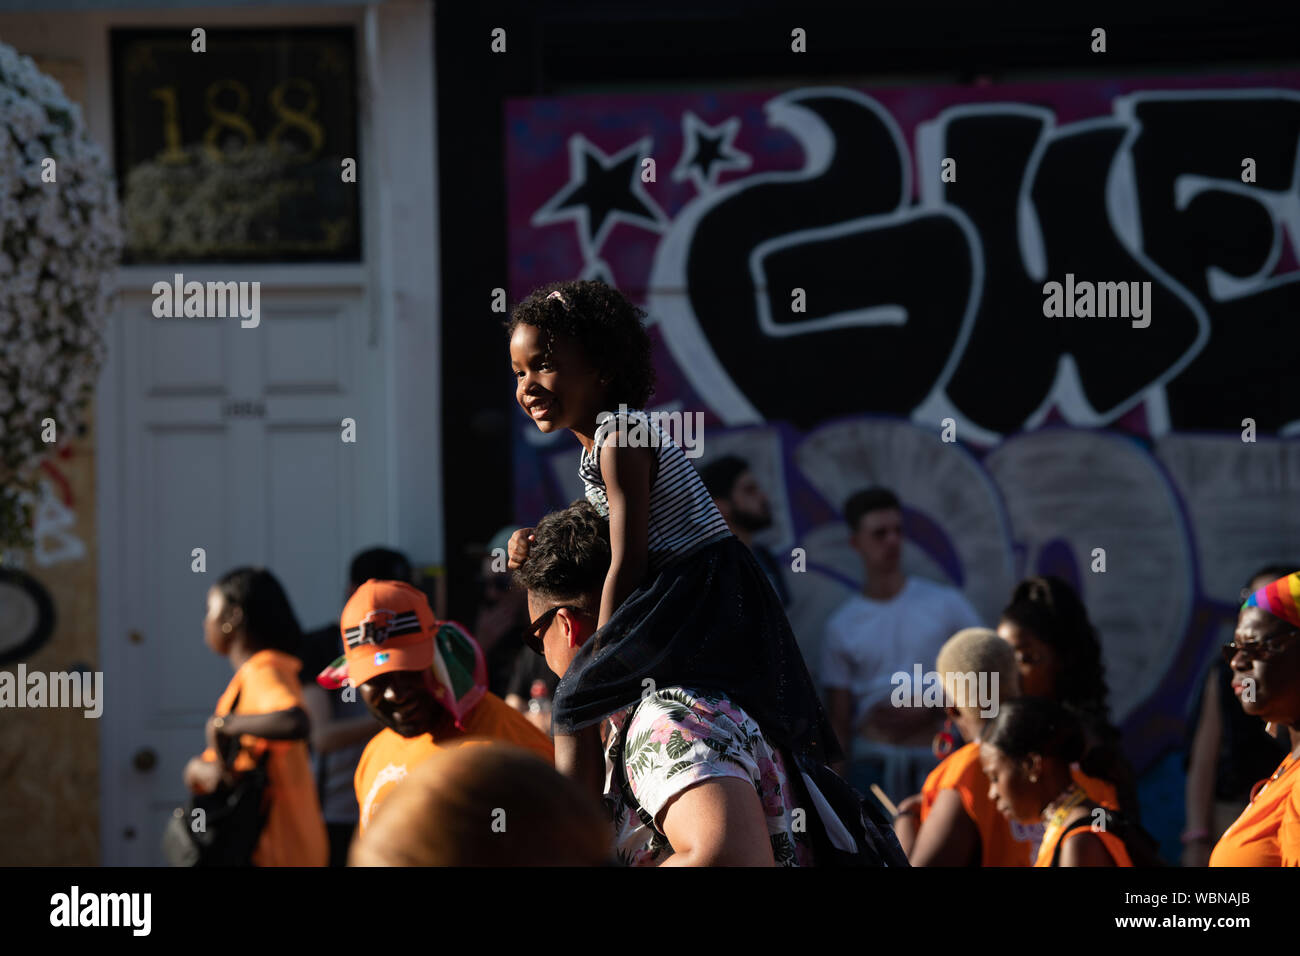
{"type": "Point", "coordinates": [1256, 650]}
{"type": "Point", "coordinates": [533, 636]}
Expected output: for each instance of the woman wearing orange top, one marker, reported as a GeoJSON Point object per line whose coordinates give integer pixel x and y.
{"type": "Point", "coordinates": [1027, 751]}
{"type": "Point", "coordinates": [958, 824]}
{"type": "Point", "coordinates": [1265, 661]}
{"type": "Point", "coordinates": [260, 713]}
{"type": "Point", "coordinates": [951, 822]}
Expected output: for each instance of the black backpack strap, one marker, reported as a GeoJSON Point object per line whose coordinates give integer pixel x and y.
{"type": "Point", "coordinates": [1056, 853]}
{"type": "Point", "coordinates": [229, 761]}
{"type": "Point", "coordinates": [234, 741]}
{"type": "Point", "coordinates": [1113, 823]}
{"type": "Point", "coordinates": [872, 833]}
{"type": "Point", "coordinates": [620, 776]}
{"type": "Point", "coordinates": [658, 839]}
{"type": "Point", "coordinates": [1141, 847]}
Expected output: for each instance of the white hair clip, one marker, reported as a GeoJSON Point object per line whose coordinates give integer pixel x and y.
{"type": "Point", "coordinates": [557, 295]}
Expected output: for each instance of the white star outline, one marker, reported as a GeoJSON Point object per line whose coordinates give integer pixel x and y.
{"type": "Point", "coordinates": [598, 269]}
{"type": "Point", "coordinates": [580, 147]}
{"type": "Point", "coordinates": [728, 156]}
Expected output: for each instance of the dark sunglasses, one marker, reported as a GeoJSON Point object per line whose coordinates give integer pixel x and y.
{"type": "Point", "coordinates": [533, 636]}
{"type": "Point", "coordinates": [1256, 650]}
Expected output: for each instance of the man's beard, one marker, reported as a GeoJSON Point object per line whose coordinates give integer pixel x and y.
{"type": "Point", "coordinates": [751, 520]}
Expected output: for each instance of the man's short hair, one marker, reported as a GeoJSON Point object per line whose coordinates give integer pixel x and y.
{"type": "Point", "coordinates": [868, 500]}
{"type": "Point", "coordinates": [383, 564]}
{"type": "Point", "coordinates": [569, 555]}
{"type": "Point", "coordinates": [721, 474]}
{"type": "Point", "coordinates": [977, 650]}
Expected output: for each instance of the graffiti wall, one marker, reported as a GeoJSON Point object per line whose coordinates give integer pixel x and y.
{"type": "Point", "coordinates": [1091, 286]}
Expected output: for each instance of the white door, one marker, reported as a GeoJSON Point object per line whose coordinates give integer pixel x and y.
{"type": "Point", "coordinates": [230, 441]}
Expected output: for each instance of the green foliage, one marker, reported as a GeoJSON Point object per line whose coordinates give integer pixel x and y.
{"type": "Point", "coordinates": [678, 705]}
{"type": "Point", "coordinates": [782, 849]}
{"type": "Point", "coordinates": [640, 753]}
{"type": "Point", "coordinates": [676, 746]}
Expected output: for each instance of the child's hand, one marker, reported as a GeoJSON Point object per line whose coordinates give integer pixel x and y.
{"type": "Point", "coordinates": [518, 550]}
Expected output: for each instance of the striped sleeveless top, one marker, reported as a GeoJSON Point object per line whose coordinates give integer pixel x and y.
{"type": "Point", "coordinates": [683, 516]}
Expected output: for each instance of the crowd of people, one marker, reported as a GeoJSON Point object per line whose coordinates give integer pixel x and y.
{"type": "Point", "coordinates": [633, 692]}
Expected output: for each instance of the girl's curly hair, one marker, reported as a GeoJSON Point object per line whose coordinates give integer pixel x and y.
{"type": "Point", "coordinates": [605, 325]}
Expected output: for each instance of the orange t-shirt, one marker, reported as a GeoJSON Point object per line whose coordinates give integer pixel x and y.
{"type": "Point", "coordinates": [1114, 845]}
{"type": "Point", "coordinates": [1002, 841]}
{"type": "Point", "coordinates": [294, 834]}
{"type": "Point", "coordinates": [389, 756]}
{"type": "Point", "coordinates": [1266, 832]}
{"type": "Point", "coordinates": [1288, 834]}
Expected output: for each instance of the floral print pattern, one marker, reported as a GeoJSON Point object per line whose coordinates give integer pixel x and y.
{"type": "Point", "coordinates": [677, 738]}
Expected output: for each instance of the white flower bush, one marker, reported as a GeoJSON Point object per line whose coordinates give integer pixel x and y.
{"type": "Point", "coordinates": [60, 243]}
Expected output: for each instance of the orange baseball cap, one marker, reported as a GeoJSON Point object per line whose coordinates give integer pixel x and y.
{"type": "Point", "coordinates": [387, 626]}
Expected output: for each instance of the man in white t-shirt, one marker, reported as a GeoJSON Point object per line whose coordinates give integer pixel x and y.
{"type": "Point", "coordinates": [896, 623]}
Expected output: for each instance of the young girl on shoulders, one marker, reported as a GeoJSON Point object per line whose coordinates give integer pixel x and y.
{"type": "Point", "coordinates": [685, 602]}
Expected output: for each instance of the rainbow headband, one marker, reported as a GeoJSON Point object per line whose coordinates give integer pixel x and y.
{"type": "Point", "coordinates": [1281, 598]}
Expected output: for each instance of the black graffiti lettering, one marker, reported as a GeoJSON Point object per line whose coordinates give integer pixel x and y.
{"type": "Point", "coordinates": [1209, 137]}
{"type": "Point", "coordinates": [1116, 362]}
{"type": "Point", "coordinates": [846, 236]}
{"type": "Point", "coordinates": [808, 377]}
{"type": "Point", "coordinates": [1010, 342]}
{"type": "Point", "coordinates": [1254, 341]}
{"type": "Point", "coordinates": [886, 367]}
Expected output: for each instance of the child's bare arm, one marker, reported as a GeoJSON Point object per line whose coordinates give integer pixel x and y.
{"type": "Point", "coordinates": [517, 551]}
{"type": "Point", "coordinates": [627, 473]}
{"type": "Point", "coordinates": [581, 757]}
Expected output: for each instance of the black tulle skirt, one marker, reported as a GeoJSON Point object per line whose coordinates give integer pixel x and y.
{"type": "Point", "coordinates": [709, 621]}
